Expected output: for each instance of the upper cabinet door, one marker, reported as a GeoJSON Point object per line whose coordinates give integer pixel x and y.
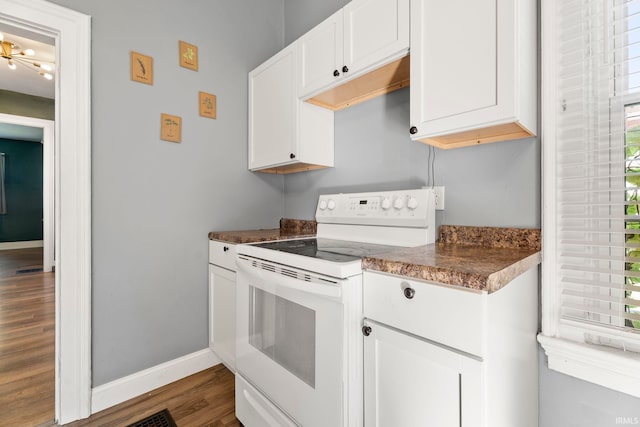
{"type": "Point", "coordinates": [361, 37]}
{"type": "Point", "coordinates": [457, 42]}
{"type": "Point", "coordinates": [374, 30]}
{"type": "Point", "coordinates": [320, 54]}
{"type": "Point", "coordinates": [273, 111]}
{"type": "Point", "coordinates": [473, 71]}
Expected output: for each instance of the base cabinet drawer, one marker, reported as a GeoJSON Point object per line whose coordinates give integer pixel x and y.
{"type": "Point", "coordinates": [410, 382]}
{"type": "Point", "coordinates": [222, 254]}
{"type": "Point", "coordinates": [453, 317]}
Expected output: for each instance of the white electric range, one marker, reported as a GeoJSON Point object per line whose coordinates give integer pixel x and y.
{"type": "Point", "coordinates": [299, 309]}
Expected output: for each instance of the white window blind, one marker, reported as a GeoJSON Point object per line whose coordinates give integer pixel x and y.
{"type": "Point", "coordinates": [597, 138]}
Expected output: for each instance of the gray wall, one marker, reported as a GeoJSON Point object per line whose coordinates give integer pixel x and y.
{"type": "Point", "coordinates": [491, 185]}
{"type": "Point", "coordinates": [154, 201]}
{"type": "Point", "coordinates": [302, 15]}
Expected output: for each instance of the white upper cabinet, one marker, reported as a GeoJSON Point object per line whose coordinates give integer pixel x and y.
{"type": "Point", "coordinates": [362, 36]}
{"type": "Point", "coordinates": [272, 110]}
{"type": "Point", "coordinates": [285, 134]}
{"type": "Point", "coordinates": [375, 31]}
{"type": "Point", "coordinates": [473, 71]}
{"type": "Point", "coordinates": [321, 54]}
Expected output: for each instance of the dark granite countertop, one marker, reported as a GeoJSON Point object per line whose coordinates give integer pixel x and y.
{"type": "Point", "coordinates": [480, 258]}
{"type": "Point", "coordinates": [289, 229]}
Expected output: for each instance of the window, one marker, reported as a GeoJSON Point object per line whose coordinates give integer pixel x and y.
{"type": "Point", "coordinates": [632, 213]}
{"type": "Point", "coordinates": [591, 200]}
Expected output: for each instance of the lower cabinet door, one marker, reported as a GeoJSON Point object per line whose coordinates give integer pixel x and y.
{"type": "Point", "coordinates": [413, 382]}
{"type": "Point", "coordinates": [222, 314]}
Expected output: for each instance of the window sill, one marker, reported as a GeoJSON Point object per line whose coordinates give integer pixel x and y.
{"type": "Point", "coordinates": [608, 367]}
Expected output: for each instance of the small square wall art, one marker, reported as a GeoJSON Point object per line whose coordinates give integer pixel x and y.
{"type": "Point", "coordinates": [207, 105]}
{"type": "Point", "coordinates": [188, 56]}
{"type": "Point", "coordinates": [170, 128]}
{"type": "Point", "coordinates": [141, 68]}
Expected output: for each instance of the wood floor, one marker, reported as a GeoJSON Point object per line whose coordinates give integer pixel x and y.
{"type": "Point", "coordinates": [203, 399]}
{"type": "Point", "coordinates": [27, 351]}
{"type": "Point", "coordinates": [27, 340]}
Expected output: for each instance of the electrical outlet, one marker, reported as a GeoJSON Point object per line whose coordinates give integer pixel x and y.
{"type": "Point", "coordinates": [439, 196]}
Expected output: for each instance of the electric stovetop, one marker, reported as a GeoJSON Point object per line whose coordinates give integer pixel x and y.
{"type": "Point", "coordinates": [326, 249]}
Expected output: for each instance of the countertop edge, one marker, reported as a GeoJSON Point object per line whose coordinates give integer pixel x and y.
{"type": "Point", "coordinates": [500, 279]}
{"type": "Point", "coordinates": [439, 275]}
{"type": "Point", "coordinates": [451, 277]}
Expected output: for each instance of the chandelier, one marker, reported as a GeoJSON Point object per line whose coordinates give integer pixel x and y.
{"type": "Point", "coordinates": [12, 53]}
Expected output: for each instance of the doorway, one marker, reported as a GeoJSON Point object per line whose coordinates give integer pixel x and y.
{"type": "Point", "coordinates": [72, 196]}
{"type": "Point", "coordinates": [48, 230]}
{"type": "Point", "coordinates": [27, 286]}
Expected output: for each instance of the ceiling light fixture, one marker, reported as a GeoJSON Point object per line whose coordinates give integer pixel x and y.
{"type": "Point", "coordinates": [14, 55]}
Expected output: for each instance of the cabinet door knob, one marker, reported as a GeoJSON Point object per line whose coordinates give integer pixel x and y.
{"type": "Point", "coordinates": [345, 69]}
{"type": "Point", "coordinates": [292, 156]}
{"type": "Point", "coordinates": [225, 248]}
{"type": "Point", "coordinates": [413, 130]}
{"type": "Point", "coordinates": [409, 292]}
{"type": "Point", "coordinates": [366, 331]}
{"type": "Point", "coordinates": [336, 73]}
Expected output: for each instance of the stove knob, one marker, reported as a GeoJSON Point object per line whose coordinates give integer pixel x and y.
{"type": "Point", "coordinates": [331, 204]}
{"type": "Point", "coordinates": [412, 203]}
{"type": "Point", "coordinates": [386, 203]}
{"type": "Point", "coordinates": [323, 204]}
{"type": "Point", "coordinates": [399, 203]}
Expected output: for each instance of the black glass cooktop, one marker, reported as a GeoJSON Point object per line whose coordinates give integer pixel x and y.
{"type": "Point", "coordinates": [326, 249]}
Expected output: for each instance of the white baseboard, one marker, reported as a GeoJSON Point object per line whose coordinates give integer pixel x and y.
{"type": "Point", "coordinates": [123, 389]}
{"type": "Point", "coordinates": [21, 245]}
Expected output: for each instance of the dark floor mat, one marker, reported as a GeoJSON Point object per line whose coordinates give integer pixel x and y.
{"type": "Point", "coordinates": [159, 419]}
{"type": "Point", "coordinates": [29, 270]}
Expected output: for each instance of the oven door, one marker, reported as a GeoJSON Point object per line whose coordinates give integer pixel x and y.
{"type": "Point", "coordinates": [289, 335]}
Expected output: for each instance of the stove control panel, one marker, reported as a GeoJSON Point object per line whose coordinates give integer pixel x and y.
{"type": "Point", "coordinates": [403, 208]}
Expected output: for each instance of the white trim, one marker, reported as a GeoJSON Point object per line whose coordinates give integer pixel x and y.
{"type": "Point", "coordinates": [48, 196]}
{"type": "Point", "coordinates": [549, 297]}
{"type": "Point", "coordinates": [72, 33]}
{"type": "Point", "coordinates": [48, 174]}
{"type": "Point", "coordinates": [5, 246]}
{"type": "Point", "coordinates": [123, 389]}
{"type": "Point", "coordinates": [608, 367]}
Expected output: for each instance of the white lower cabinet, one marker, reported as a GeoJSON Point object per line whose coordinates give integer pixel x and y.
{"type": "Point", "coordinates": [412, 382]}
{"type": "Point", "coordinates": [222, 302]}
{"type": "Point", "coordinates": [444, 356]}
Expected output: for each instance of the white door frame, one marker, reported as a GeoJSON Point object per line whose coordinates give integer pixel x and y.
{"type": "Point", "coordinates": [72, 33]}
{"type": "Point", "coordinates": [48, 179]}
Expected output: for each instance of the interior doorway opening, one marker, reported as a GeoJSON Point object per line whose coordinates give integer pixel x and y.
{"type": "Point", "coordinates": [71, 31]}
{"type": "Point", "coordinates": [48, 185]}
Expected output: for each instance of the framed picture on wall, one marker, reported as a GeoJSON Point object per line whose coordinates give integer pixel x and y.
{"type": "Point", "coordinates": [188, 55]}
{"type": "Point", "coordinates": [170, 128]}
{"type": "Point", "coordinates": [141, 68]}
{"type": "Point", "coordinates": [207, 102]}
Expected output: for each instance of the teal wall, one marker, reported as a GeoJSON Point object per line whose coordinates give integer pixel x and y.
{"type": "Point", "coordinates": [23, 185]}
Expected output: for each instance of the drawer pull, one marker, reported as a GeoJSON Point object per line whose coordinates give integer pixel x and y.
{"type": "Point", "coordinates": [225, 248]}
{"type": "Point", "coordinates": [409, 292]}
{"type": "Point", "coordinates": [366, 331]}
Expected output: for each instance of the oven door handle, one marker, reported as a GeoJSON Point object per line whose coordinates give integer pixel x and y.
{"type": "Point", "coordinates": [270, 280]}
